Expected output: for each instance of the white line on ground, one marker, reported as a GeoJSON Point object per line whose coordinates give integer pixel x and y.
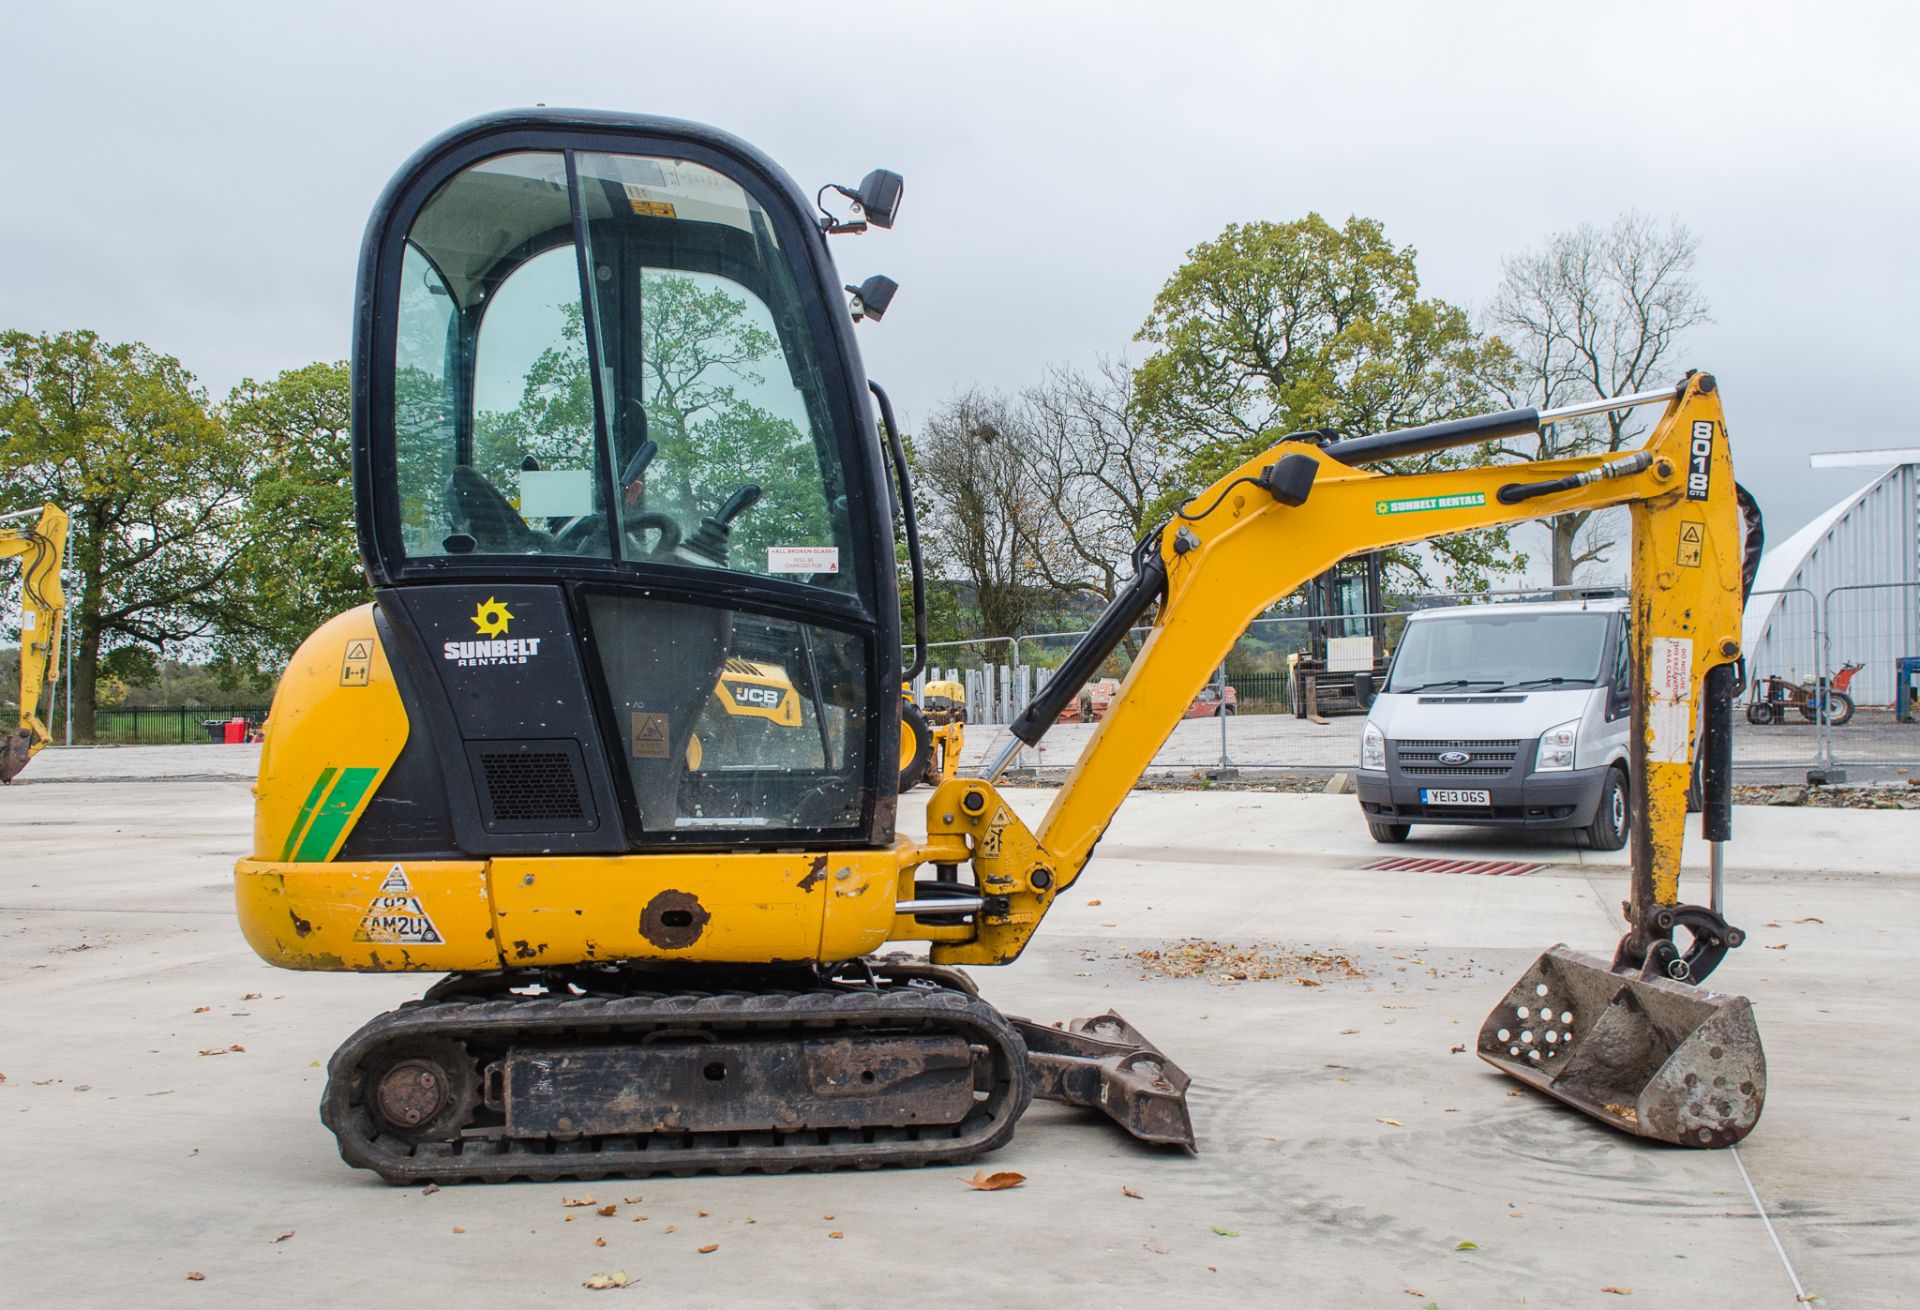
{"type": "Point", "coordinates": [1799, 1292]}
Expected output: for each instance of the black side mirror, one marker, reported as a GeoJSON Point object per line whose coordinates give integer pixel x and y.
{"type": "Point", "coordinates": [871, 298]}
{"type": "Point", "coordinates": [879, 197]}
{"type": "Point", "coordinates": [1363, 690]}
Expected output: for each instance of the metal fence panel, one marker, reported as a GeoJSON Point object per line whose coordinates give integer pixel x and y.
{"type": "Point", "coordinates": [1875, 626]}
{"type": "Point", "coordinates": [151, 725]}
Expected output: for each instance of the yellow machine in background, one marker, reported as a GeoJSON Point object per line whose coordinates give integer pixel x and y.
{"type": "Point", "coordinates": [931, 733]}
{"type": "Point", "coordinates": [41, 546]}
{"type": "Point", "coordinates": [660, 963]}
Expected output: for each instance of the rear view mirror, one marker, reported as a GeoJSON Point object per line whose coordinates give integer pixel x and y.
{"type": "Point", "coordinates": [879, 197]}
{"type": "Point", "coordinates": [1363, 690]}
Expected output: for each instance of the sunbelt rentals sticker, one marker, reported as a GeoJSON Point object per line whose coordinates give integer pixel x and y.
{"type": "Point", "coordinates": [1421, 504]}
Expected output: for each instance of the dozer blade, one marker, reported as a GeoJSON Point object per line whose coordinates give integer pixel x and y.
{"type": "Point", "coordinates": [1104, 1063]}
{"type": "Point", "coordinates": [1651, 1057]}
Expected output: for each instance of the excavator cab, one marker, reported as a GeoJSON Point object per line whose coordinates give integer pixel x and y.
{"type": "Point", "coordinates": [616, 440]}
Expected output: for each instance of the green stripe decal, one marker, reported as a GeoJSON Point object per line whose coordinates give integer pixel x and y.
{"type": "Point", "coordinates": [333, 815]}
{"type": "Point", "coordinates": [306, 812]}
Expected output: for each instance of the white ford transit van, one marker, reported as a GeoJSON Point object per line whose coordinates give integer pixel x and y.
{"type": "Point", "coordinates": [1508, 715]}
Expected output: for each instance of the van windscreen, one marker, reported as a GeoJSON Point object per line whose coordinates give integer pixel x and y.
{"type": "Point", "coordinates": [1491, 650]}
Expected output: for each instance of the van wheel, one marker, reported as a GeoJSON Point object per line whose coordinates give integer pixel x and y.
{"type": "Point", "coordinates": [1388, 832]}
{"type": "Point", "coordinates": [1608, 831]}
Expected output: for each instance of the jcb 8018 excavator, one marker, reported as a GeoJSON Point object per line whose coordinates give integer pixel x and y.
{"type": "Point", "coordinates": [40, 545]}
{"type": "Point", "coordinates": [658, 961]}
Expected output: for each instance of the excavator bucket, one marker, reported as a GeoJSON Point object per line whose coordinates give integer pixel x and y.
{"type": "Point", "coordinates": [16, 748]}
{"type": "Point", "coordinates": [1648, 1056]}
{"type": "Point", "coordinates": [1104, 1063]}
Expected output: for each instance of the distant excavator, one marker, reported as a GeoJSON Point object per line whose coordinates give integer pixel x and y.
{"type": "Point", "coordinates": [38, 538]}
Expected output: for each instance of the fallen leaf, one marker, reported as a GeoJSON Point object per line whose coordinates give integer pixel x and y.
{"type": "Point", "coordinates": [639, 1219]}
{"type": "Point", "coordinates": [195, 1276]}
{"type": "Point", "coordinates": [235, 1049]}
{"type": "Point", "coordinates": [635, 1200]}
{"type": "Point", "coordinates": [1128, 1191]}
{"type": "Point", "coordinates": [1467, 1246]}
{"type": "Point", "coordinates": [609, 1209]}
{"type": "Point", "coordinates": [600, 1282]}
{"type": "Point", "coordinates": [1348, 1032]}
{"type": "Point", "coordinates": [83, 1087]}
{"type": "Point", "coordinates": [1455, 1050]}
{"type": "Point", "coordinates": [826, 1216]}
{"type": "Point", "coordinates": [1515, 1214]}
{"type": "Point", "coordinates": [283, 1237]}
{"type": "Point", "coordinates": [982, 1181]}
{"type": "Point", "coordinates": [709, 1248]}
{"type": "Point", "coordinates": [1226, 1232]}
{"type": "Point", "coordinates": [41, 1082]}
{"type": "Point", "coordinates": [577, 1200]}
{"type": "Point", "coordinates": [1391, 1123]}
{"type": "Point", "coordinates": [1810, 919]}
{"type": "Point", "coordinates": [599, 1241]}
{"type": "Point", "coordinates": [702, 1214]}
{"type": "Point", "coordinates": [1412, 1291]}
{"type": "Point", "coordinates": [459, 1230]}
{"type": "Point", "coordinates": [1093, 902]}
{"type": "Point", "coordinates": [1618, 1291]}
{"type": "Point", "coordinates": [251, 996]}
{"type": "Point", "coordinates": [670, 1227]}
{"type": "Point", "coordinates": [1781, 947]}
{"type": "Point", "coordinates": [1516, 1092]}
{"type": "Point", "coordinates": [201, 1009]}
{"type": "Point", "coordinates": [429, 1189]}
{"type": "Point", "coordinates": [1158, 1248]}
{"type": "Point", "coordinates": [836, 1234]}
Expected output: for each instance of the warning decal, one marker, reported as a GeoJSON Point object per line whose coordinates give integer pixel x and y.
{"type": "Point", "coordinates": [396, 916]}
{"type": "Point", "coordinates": [358, 663]}
{"type": "Point", "coordinates": [1693, 537]}
{"type": "Point", "coordinates": [990, 844]}
{"type": "Point", "coordinates": [1670, 715]}
{"type": "Point", "coordinates": [649, 735]}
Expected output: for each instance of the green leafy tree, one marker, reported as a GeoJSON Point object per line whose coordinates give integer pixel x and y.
{"type": "Point", "coordinates": [299, 564]}
{"type": "Point", "coordinates": [120, 437]}
{"type": "Point", "coordinates": [1273, 328]}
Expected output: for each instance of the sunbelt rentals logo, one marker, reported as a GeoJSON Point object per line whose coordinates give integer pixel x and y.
{"type": "Point", "coordinates": [491, 619]}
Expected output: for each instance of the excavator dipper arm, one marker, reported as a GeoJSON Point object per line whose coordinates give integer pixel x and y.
{"type": "Point", "coordinates": [41, 544]}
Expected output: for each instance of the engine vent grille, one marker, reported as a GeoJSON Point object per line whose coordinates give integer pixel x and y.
{"type": "Point", "coordinates": [534, 786]}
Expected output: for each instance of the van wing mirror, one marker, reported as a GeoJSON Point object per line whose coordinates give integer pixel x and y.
{"type": "Point", "coordinates": [1363, 690]}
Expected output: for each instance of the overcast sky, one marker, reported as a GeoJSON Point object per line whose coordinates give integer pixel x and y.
{"type": "Point", "coordinates": [197, 176]}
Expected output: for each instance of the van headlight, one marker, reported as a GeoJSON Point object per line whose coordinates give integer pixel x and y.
{"type": "Point", "coordinates": [1373, 747]}
{"type": "Point", "coordinates": [1556, 748]}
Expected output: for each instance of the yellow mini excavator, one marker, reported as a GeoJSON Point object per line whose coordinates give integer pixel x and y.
{"type": "Point", "coordinates": [654, 962]}
{"type": "Point", "coordinates": [40, 544]}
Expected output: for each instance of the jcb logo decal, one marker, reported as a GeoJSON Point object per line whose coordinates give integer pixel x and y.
{"type": "Point", "coordinates": [1700, 461]}
{"type": "Point", "coordinates": [764, 697]}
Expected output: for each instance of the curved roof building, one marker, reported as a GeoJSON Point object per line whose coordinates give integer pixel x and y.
{"type": "Point", "coordinates": [1857, 567]}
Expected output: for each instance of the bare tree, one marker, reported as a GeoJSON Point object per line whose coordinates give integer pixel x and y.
{"type": "Point", "coordinates": [1095, 473]}
{"type": "Point", "coordinates": [980, 497]}
{"type": "Point", "coordinates": [1592, 314]}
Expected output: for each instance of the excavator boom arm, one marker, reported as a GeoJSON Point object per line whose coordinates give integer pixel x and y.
{"type": "Point", "coordinates": [1246, 546]}
{"type": "Point", "coordinates": [41, 545]}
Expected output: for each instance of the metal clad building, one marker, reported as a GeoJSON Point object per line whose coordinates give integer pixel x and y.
{"type": "Point", "coordinates": [1865, 547]}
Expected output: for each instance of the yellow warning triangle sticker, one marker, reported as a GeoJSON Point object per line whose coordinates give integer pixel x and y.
{"type": "Point", "coordinates": [396, 881]}
{"type": "Point", "coordinates": [1689, 532]}
{"type": "Point", "coordinates": [359, 650]}
{"type": "Point", "coordinates": [653, 728]}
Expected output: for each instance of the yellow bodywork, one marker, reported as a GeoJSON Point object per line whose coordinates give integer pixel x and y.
{"type": "Point", "coordinates": [41, 545]}
{"type": "Point", "coordinates": [1225, 566]}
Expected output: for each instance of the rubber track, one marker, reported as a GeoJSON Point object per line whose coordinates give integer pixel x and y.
{"type": "Point", "coordinates": [497, 1023]}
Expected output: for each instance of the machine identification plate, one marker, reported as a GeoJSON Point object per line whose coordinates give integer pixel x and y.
{"type": "Point", "coordinates": [1455, 796]}
{"type": "Point", "coordinates": [1421, 504]}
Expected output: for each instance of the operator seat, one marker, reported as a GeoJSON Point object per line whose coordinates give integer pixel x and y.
{"type": "Point", "coordinates": [476, 507]}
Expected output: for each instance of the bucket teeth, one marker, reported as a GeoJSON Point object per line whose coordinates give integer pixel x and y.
{"type": "Point", "coordinates": [1651, 1057]}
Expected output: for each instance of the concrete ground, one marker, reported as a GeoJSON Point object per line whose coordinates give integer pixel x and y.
{"type": "Point", "coordinates": [131, 1158]}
